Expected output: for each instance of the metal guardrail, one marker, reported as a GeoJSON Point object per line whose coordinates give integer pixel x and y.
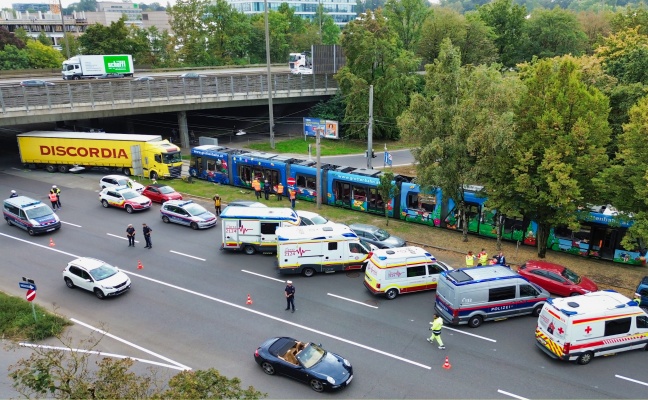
{"type": "Point", "coordinates": [121, 94]}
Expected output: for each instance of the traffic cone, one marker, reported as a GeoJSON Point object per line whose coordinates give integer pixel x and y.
{"type": "Point", "coordinates": [249, 300]}
{"type": "Point", "coordinates": [446, 364]}
{"type": "Point", "coordinates": [139, 265]}
{"type": "Point", "coordinates": [51, 242]}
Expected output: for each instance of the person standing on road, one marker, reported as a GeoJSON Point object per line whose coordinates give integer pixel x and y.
{"type": "Point", "coordinates": [147, 236]}
{"type": "Point", "coordinates": [292, 198]}
{"type": "Point", "coordinates": [280, 190]}
{"type": "Point", "coordinates": [130, 233]}
{"type": "Point", "coordinates": [470, 259]}
{"type": "Point", "coordinates": [217, 204]}
{"type": "Point", "coordinates": [54, 199]}
{"type": "Point", "coordinates": [57, 192]}
{"type": "Point", "coordinates": [437, 324]}
{"type": "Point", "coordinates": [501, 259]}
{"type": "Point", "coordinates": [13, 194]}
{"type": "Point", "coordinates": [257, 188]}
{"type": "Point", "coordinates": [290, 296]}
{"type": "Point", "coordinates": [266, 189]}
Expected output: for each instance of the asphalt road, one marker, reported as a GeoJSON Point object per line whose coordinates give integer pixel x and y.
{"type": "Point", "coordinates": [187, 308]}
{"type": "Point", "coordinates": [399, 158]}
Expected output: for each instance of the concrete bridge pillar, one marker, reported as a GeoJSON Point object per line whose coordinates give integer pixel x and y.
{"type": "Point", "coordinates": [184, 129]}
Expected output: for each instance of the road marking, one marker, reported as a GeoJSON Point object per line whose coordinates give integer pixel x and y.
{"type": "Point", "coordinates": [471, 334]}
{"type": "Point", "coordinates": [120, 237]}
{"type": "Point", "coordinates": [187, 255]}
{"type": "Point", "coordinates": [515, 396]}
{"type": "Point", "coordinates": [353, 301]}
{"type": "Point", "coordinates": [110, 335]}
{"type": "Point", "coordinates": [101, 353]}
{"type": "Point", "coordinates": [263, 276]}
{"type": "Point", "coordinates": [69, 223]}
{"type": "Point", "coordinates": [40, 245]}
{"type": "Point", "coordinates": [631, 380]}
{"type": "Point", "coordinates": [306, 328]}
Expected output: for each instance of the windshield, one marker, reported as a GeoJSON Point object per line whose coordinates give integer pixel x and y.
{"type": "Point", "coordinates": [381, 234]}
{"type": "Point", "coordinates": [194, 209]}
{"type": "Point", "coordinates": [123, 182]}
{"type": "Point", "coordinates": [319, 220]}
{"type": "Point", "coordinates": [103, 272]}
{"type": "Point", "coordinates": [129, 194]}
{"type": "Point", "coordinates": [172, 158]}
{"type": "Point", "coordinates": [38, 212]}
{"type": "Point", "coordinates": [311, 355]}
{"type": "Point", "coordinates": [166, 190]}
{"type": "Point", "coordinates": [293, 58]}
{"type": "Point", "coordinates": [571, 275]}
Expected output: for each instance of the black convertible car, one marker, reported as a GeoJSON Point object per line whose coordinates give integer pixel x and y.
{"type": "Point", "coordinates": [305, 362]}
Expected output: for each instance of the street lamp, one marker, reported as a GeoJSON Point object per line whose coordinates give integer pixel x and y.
{"type": "Point", "coordinates": [267, 38]}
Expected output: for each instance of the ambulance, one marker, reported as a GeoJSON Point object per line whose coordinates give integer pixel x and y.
{"type": "Point", "coordinates": [253, 229]}
{"type": "Point", "coordinates": [391, 272]}
{"type": "Point", "coordinates": [580, 328]}
{"type": "Point", "coordinates": [319, 248]}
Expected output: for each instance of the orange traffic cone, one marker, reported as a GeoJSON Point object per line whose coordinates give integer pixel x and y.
{"type": "Point", "coordinates": [446, 364]}
{"type": "Point", "coordinates": [139, 265]}
{"type": "Point", "coordinates": [51, 242]}
{"type": "Point", "coordinates": [249, 300]}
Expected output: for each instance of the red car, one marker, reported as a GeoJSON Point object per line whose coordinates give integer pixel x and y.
{"type": "Point", "coordinates": [160, 193]}
{"type": "Point", "coordinates": [556, 279]}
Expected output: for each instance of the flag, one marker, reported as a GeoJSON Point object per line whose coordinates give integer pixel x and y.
{"type": "Point", "coordinates": [388, 159]}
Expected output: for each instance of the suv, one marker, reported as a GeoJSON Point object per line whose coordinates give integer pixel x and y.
{"type": "Point", "coordinates": [124, 197]}
{"type": "Point", "coordinates": [186, 212]}
{"type": "Point", "coordinates": [31, 215]}
{"type": "Point", "coordinates": [109, 181]}
{"type": "Point", "coordinates": [377, 236]}
{"type": "Point", "coordinates": [311, 218]}
{"type": "Point", "coordinates": [95, 276]}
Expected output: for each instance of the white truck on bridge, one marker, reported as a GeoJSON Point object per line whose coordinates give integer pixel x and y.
{"type": "Point", "coordinates": [93, 66]}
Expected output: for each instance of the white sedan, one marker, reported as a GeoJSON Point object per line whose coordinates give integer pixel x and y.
{"type": "Point", "coordinates": [96, 276]}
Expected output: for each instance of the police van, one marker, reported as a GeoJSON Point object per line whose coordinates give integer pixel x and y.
{"type": "Point", "coordinates": [474, 295]}
{"type": "Point", "coordinates": [595, 324]}
{"type": "Point", "coordinates": [253, 229]}
{"type": "Point", "coordinates": [319, 248]}
{"type": "Point", "coordinates": [391, 272]}
{"type": "Point", "coordinates": [31, 215]}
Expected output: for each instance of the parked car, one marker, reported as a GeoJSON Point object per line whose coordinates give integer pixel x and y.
{"type": "Point", "coordinates": [143, 78]}
{"type": "Point", "coordinates": [377, 236]}
{"type": "Point", "coordinates": [556, 279]}
{"type": "Point", "coordinates": [192, 75]}
{"type": "Point", "coordinates": [35, 82]}
{"type": "Point", "coordinates": [110, 76]}
{"type": "Point", "coordinates": [304, 362]}
{"type": "Point", "coordinates": [186, 212]}
{"type": "Point", "coordinates": [96, 276]}
{"type": "Point", "coordinates": [311, 218]}
{"type": "Point", "coordinates": [120, 180]}
{"type": "Point", "coordinates": [160, 193]}
{"type": "Point", "coordinates": [124, 197]}
{"type": "Point", "coordinates": [302, 70]}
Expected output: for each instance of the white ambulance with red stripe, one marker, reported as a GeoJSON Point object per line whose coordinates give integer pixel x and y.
{"type": "Point", "coordinates": [579, 328]}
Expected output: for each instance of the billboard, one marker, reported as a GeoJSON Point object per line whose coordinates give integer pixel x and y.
{"type": "Point", "coordinates": [326, 128]}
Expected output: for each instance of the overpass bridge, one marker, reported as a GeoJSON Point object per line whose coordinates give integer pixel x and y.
{"type": "Point", "coordinates": [85, 99]}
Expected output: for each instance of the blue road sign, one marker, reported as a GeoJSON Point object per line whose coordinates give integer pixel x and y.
{"type": "Point", "coordinates": [26, 285]}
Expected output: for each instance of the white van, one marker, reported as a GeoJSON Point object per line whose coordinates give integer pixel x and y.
{"type": "Point", "coordinates": [391, 272]}
{"type": "Point", "coordinates": [319, 248]}
{"type": "Point", "coordinates": [253, 229]}
{"type": "Point", "coordinates": [474, 295]}
{"type": "Point", "coordinates": [595, 324]}
{"type": "Point", "coordinates": [31, 215]}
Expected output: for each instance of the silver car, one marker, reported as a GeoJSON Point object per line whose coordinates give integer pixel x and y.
{"type": "Point", "coordinates": [377, 236]}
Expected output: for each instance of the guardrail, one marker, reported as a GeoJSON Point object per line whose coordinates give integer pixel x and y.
{"type": "Point", "coordinates": [127, 97]}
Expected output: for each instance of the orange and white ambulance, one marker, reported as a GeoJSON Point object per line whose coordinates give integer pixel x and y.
{"type": "Point", "coordinates": [391, 272]}
{"type": "Point", "coordinates": [580, 328]}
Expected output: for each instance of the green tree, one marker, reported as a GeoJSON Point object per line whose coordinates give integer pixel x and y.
{"type": "Point", "coordinates": [113, 39]}
{"type": "Point", "coordinates": [634, 16]}
{"type": "Point", "coordinates": [208, 384]}
{"type": "Point", "coordinates": [406, 18]}
{"type": "Point", "coordinates": [190, 33]}
{"type": "Point", "coordinates": [280, 38]}
{"type": "Point", "coordinates": [22, 35]}
{"type": "Point", "coordinates": [478, 46]}
{"type": "Point", "coordinates": [507, 20]}
{"type": "Point", "coordinates": [554, 33]}
{"type": "Point", "coordinates": [7, 38]}
{"type": "Point", "coordinates": [72, 42]}
{"type": "Point", "coordinates": [43, 56]}
{"type": "Point", "coordinates": [624, 55]}
{"type": "Point", "coordinates": [596, 26]}
{"type": "Point", "coordinates": [13, 58]}
{"type": "Point", "coordinates": [42, 37]}
{"type": "Point", "coordinates": [440, 24]}
{"type": "Point", "coordinates": [228, 39]}
{"type": "Point", "coordinates": [387, 191]}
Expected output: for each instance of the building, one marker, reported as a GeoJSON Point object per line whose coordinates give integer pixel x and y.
{"type": "Point", "coordinates": [342, 11]}
{"type": "Point", "coordinates": [24, 7]}
{"type": "Point", "coordinates": [108, 12]}
{"type": "Point", "coordinates": [158, 19]}
{"type": "Point", "coordinates": [36, 22]}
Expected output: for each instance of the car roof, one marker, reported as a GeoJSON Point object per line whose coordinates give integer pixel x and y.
{"type": "Point", "coordinates": [307, 214]}
{"type": "Point", "coordinates": [114, 176]}
{"type": "Point", "coordinates": [246, 203]}
{"type": "Point", "coordinates": [544, 265]}
{"type": "Point", "coordinates": [179, 203]}
{"type": "Point", "coordinates": [157, 185]}
{"type": "Point", "coordinates": [88, 262]}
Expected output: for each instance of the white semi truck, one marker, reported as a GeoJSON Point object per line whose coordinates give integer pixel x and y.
{"type": "Point", "coordinates": [93, 66]}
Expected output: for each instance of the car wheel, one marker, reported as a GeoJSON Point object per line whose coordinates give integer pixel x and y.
{"type": "Point", "coordinates": [585, 358]}
{"type": "Point", "coordinates": [308, 272]}
{"type": "Point", "coordinates": [165, 219]}
{"type": "Point", "coordinates": [129, 209]}
{"type": "Point", "coordinates": [536, 311]}
{"type": "Point", "coordinates": [104, 203]}
{"type": "Point", "coordinates": [31, 232]}
{"type": "Point", "coordinates": [8, 221]}
{"type": "Point", "coordinates": [268, 368]}
{"type": "Point", "coordinates": [63, 168]}
{"type": "Point", "coordinates": [249, 249]}
{"type": "Point", "coordinates": [316, 385]}
{"type": "Point", "coordinates": [126, 171]}
{"type": "Point", "coordinates": [475, 321]}
{"type": "Point", "coordinates": [76, 78]}
{"type": "Point", "coordinates": [194, 226]}
{"type": "Point", "coordinates": [50, 168]}
{"type": "Point", "coordinates": [99, 294]}
{"type": "Point", "coordinates": [391, 294]}
{"type": "Point", "coordinates": [574, 294]}
{"type": "Point", "coordinates": [153, 175]}
{"type": "Point", "coordinates": [68, 283]}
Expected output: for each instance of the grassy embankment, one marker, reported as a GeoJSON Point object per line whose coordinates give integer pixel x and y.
{"type": "Point", "coordinates": [17, 320]}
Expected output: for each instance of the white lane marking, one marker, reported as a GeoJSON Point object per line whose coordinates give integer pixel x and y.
{"type": "Point", "coordinates": [69, 223]}
{"type": "Point", "coordinates": [110, 335]}
{"type": "Point", "coordinates": [470, 334]}
{"type": "Point", "coordinates": [120, 237]}
{"type": "Point", "coordinates": [101, 353]}
{"type": "Point", "coordinates": [360, 345]}
{"type": "Point", "coordinates": [262, 276]}
{"type": "Point", "coordinates": [186, 255]}
{"type": "Point", "coordinates": [631, 380]}
{"type": "Point", "coordinates": [515, 396]}
{"type": "Point", "coordinates": [353, 301]}
{"type": "Point", "coordinates": [40, 245]}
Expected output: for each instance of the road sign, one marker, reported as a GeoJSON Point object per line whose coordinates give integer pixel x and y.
{"type": "Point", "coordinates": [291, 181]}
{"type": "Point", "coordinates": [27, 285]}
{"type": "Point", "coordinates": [31, 295]}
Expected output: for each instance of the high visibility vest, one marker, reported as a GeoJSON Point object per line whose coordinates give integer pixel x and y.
{"type": "Point", "coordinates": [280, 188]}
{"type": "Point", "coordinates": [256, 185]}
{"type": "Point", "coordinates": [292, 195]}
{"type": "Point", "coordinates": [52, 197]}
{"type": "Point", "coordinates": [483, 257]}
{"type": "Point", "coordinates": [217, 202]}
{"type": "Point", "coordinates": [470, 261]}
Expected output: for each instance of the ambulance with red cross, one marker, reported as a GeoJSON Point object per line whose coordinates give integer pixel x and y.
{"type": "Point", "coordinates": [579, 328]}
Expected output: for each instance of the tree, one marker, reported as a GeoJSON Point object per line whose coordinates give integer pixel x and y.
{"type": "Point", "coordinates": [7, 38]}
{"type": "Point", "coordinates": [207, 384]}
{"type": "Point", "coordinates": [554, 33]}
{"type": "Point", "coordinates": [596, 26]}
{"type": "Point", "coordinates": [42, 37]}
{"type": "Point", "coordinates": [13, 58]}
{"type": "Point", "coordinates": [113, 39]}
{"type": "Point", "coordinates": [406, 18]}
{"type": "Point", "coordinates": [189, 31]}
{"type": "Point", "coordinates": [635, 16]}
{"type": "Point", "coordinates": [228, 39]}
{"type": "Point", "coordinates": [478, 46]}
{"type": "Point", "coordinates": [440, 24]}
{"type": "Point", "coordinates": [508, 21]}
{"type": "Point", "coordinates": [72, 42]}
{"type": "Point", "coordinates": [624, 55]}
{"type": "Point", "coordinates": [43, 56]}
{"type": "Point", "coordinates": [387, 191]}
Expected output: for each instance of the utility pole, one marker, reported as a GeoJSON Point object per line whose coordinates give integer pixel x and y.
{"type": "Point", "coordinates": [267, 38]}
{"type": "Point", "coordinates": [65, 38]}
{"type": "Point", "coordinates": [318, 176]}
{"type": "Point", "coordinates": [370, 131]}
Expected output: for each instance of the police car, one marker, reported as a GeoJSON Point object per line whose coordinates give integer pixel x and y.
{"type": "Point", "coordinates": [124, 197]}
{"type": "Point", "coordinates": [186, 212]}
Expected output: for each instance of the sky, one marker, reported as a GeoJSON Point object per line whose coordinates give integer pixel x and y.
{"type": "Point", "coordinates": [8, 3]}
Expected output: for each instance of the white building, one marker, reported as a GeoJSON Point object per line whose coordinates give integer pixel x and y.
{"type": "Point", "coordinates": [342, 11]}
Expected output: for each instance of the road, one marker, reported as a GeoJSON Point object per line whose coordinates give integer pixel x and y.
{"type": "Point", "coordinates": [187, 308]}
{"type": "Point", "coordinates": [399, 158]}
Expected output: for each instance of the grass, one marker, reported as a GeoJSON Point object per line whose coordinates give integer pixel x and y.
{"type": "Point", "coordinates": [17, 320]}
{"type": "Point", "coordinates": [327, 147]}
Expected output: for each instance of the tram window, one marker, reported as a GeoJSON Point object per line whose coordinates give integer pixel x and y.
{"type": "Point", "coordinates": [211, 165]}
{"type": "Point", "coordinates": [300, 181]}
{"type": "Point", "coordinates": [258, 173]}
{"type": "Point", "coordinates": [427, 203]}
{"type": "Point", "coordinates": [563, 232]}
{"type": "Point", "coordinates": [196, 162]}
{"type": "Point", "coordinates": [245, 173]}
{"type": "Point", "coordinates": [272, 176]}
{"type": "Point", "coordinates": [359, 193]}
{"type": "Point", "coordinates": [472, 210]}
{"type": "Point", "coordinates": [412, 200]}
{"type": "Point", "coordinates": [342, 191]}
{"type": "Point", "coordinates": [379, 202]}
{"type": "Point", "coordinates": [310, 183]}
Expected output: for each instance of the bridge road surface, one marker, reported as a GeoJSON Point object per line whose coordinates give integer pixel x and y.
{"type": "Point", "coordinates": [187, 307]}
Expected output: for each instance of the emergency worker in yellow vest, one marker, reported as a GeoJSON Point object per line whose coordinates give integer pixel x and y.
{"type": "Point", "coordinates": [470, 259]}
{"type": "Point", "coordinates": [482, 257]}
{"type": "Point", "coordinates": [437, 324]}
